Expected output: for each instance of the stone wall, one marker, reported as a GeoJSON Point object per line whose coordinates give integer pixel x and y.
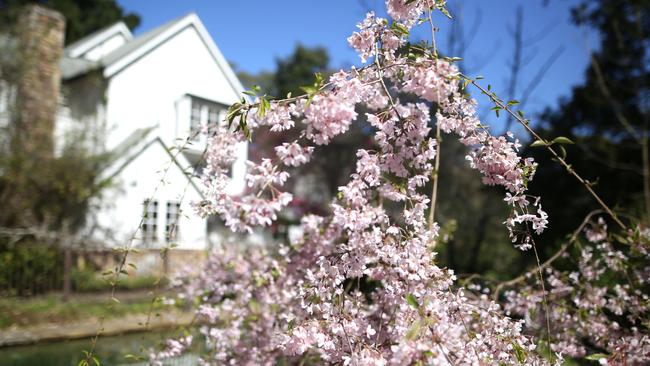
{"type": "Point", "coordinates": [148, 262]}
{"type": "Point", "coordinates": [40, 35]}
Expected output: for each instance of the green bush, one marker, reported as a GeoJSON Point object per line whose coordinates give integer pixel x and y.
{"type": "Point", "coordinates": [90, 281]}
{"type": "Point", "coordinates": [28, 268]}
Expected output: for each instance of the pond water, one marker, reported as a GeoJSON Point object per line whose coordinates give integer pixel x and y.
{"type": "Point", "coordinates": [111, 351]}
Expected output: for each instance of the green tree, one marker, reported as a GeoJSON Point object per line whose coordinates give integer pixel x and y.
{"type": "Point", "coordinates": [46, 197]}
{"type": "Point", "coordinates": [82, 16]}
{"type": "Point", "coordinates": [298, 69]}
{"type": "Point", "coordinates": [333, 163]}
{"type": "Point", "coordinates": [607, 116]}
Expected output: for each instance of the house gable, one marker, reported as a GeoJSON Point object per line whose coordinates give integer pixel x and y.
{"type": "Point", "coordinates": [101, 43]}
{"type": "Point", "coordinates": [148, 86]}
{"type": "Point", "coordinates": [175, 162]}
{"type": "Point", "coordinates": [151, 86]}
{"type": "Point", "coordinates": [139, 48]}
{"type": "Point", "coordinates": [150, 171]}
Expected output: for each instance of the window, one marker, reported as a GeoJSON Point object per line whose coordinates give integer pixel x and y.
{"type": "Point", "coordinates": [173, 215]}
{"type": "Point", "coordinates": [150, 222]}
{"type": "Point", "coordinates": [213, 116]}
{"type": "Point", "coordinates": [195, 120]}
{"type": "Point", "coordinates": [204, 112]}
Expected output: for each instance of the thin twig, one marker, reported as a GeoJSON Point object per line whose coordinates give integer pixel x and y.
{"type": "Point", "coordinates": [434, 178]}
{"type": "Point", "coordinates": [555, 154]}
{"type": "Point", "coordinates": [547, 314]}
{"type": "Point", "coordinates": [128, 248]}
{"type": "Point", "coordinates": [170, 234]}
{"type": "Point", "coordinates": [433, 34]}
{"type": "Point", "coordinates": [553, 258]}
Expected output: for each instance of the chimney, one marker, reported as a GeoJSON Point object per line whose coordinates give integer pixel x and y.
{"type": "Point", "coordinates": [40, 36]}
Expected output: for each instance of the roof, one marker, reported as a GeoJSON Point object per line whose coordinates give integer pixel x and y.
{"type": "Point", "coordinates": [71, 67]}
{"type": "Point", "coordinates": [112, 63]}
{"type": "Point", "coordinates": [138, 42]}
{"type": "Point", "coordinates": [78, 47]}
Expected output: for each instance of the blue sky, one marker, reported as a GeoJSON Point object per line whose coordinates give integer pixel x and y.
{"type": "Point", "coordinates": [253, 34]}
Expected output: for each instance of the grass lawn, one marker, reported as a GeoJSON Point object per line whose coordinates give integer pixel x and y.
{"type": "Point", "coordinates": [51, 309]}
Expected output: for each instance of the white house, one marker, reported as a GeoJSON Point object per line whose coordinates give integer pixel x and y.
{"type": "Point", "coordinates": [142, 98]}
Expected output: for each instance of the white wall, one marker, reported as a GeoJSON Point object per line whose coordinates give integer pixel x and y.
{"type": "Point", "coordinates": [123, 205]}
{"type": "Point", "coordinates": [146, 92]}
{"type": "Point", "coordinates": [7, 102]}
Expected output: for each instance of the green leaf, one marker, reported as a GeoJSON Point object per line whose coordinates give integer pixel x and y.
{"type": "Point", "coordinates": [562, 152]}
{"type": "Point", "coordinates": [311, 97]}
{"type": "Point", "coordinates": [319, 79]}
{"type": "Point", "coordinates": [309, 89]}
{"type": "Point", "coordinates": [520, 353]}
{"type": "Point", "coordinates": [414, 330]}
{"type": "Point", "coordinates": [412, 300]}
{"type": "Point", "coordinates": [596, 356]}
{"type": "Point", "coordinates": [446, 12]}
{"type": "Point", "coordinates": [234, 111]}
{"type": "Point", "coordinates": [562, 141]}
{"type": "Point", "coordinates": [513, 102]}
{"type": "Point", "coordinates": [453, 59]}
{"type": "Point", "coordinates": [538, 143]}
{"type": "Point", "coordinates": [496, 110]}
{"type": "Point", "coordinates": [399, 29]}
{"type": "Point", "coordinates": [264, 106]}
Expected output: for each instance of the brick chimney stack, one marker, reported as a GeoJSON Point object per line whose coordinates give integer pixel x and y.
{"type": "Point", "coordinates": [40, 34]}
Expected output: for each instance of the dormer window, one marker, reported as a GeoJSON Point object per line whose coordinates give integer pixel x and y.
{"type": "Point", "coordinates": [203, 112]}
{"type": "Point", "coordinates": [195, 120]}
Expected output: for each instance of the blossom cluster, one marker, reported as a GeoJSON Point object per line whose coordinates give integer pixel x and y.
{"type": "Point", "coordinates": [242, 213]}
{"type": "Point", "coordinates": [173, 348]}
{"type": "Point", "coordinates": [361, 285]}
{"type": "Point", "coordinates": [601, 308]}
{"type": "Point", "coordinates": [495, 157]}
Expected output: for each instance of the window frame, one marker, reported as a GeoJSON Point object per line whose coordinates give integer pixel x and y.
{"type": "Point", "coordinates": [204, 112]}
{"type": "Point", "coordinates": [171, 233]}
{"type": "Point", "coordinates": [149, 225]}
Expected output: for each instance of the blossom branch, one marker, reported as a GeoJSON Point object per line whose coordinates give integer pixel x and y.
{"type": "Point", "coordinates": [548, 262]}
{"type": "Point", "coordinates": [555, 154]}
